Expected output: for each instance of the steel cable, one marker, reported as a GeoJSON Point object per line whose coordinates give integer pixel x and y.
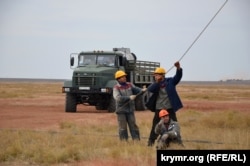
{"type": "Point", "coordinates": [200, 34]}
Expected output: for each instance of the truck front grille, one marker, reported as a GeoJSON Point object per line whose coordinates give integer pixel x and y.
{"type": "Point", "coordinates": [85, 81]}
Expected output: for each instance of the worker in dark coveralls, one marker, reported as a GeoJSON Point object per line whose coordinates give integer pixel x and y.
{"type": "Point", "coordinates": [125, 93]}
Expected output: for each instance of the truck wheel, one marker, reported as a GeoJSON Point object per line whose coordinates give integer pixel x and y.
{"type": "Point", "coordinates": [140, 102]}
{"type": "Point", "coordinates": [70, 105]}
{"type": "Point", "coordinates": [112, 105]}
{"type": "Point", "coordinates": [99, 107]}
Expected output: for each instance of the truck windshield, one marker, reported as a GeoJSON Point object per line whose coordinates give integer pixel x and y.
{"type": "Point", "coordinates": [102, 60]}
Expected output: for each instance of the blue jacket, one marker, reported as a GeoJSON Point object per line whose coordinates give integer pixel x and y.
{"type": "Point", "coordinates": [171, 83]}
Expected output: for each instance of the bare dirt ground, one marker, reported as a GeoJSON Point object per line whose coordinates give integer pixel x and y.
{"type": "Point", "coordinates": [46, 112]}
{"type": "Point", "coordinates": [40, 113]}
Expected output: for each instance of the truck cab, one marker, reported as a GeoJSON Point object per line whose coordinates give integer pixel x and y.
{"type": "Point", "coordinates": [93, 78]}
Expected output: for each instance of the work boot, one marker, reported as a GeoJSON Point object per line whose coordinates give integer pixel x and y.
{"type": "Point", "coordinates": [181, 143]}
{"type": "Point", "coordinates": [123, 134]}
{"type": "Point", "coordinates": [161, 146]}
{"type": "Point", "coordinates": [151, 142]}
{"type": "Point", "coordinates": [135, 135]}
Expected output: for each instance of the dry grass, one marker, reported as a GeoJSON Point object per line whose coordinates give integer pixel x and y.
{"type": "Point", "coordinates": [222, 130]}
{"type": "Point", "coordinates": [220, 92]}
{"type": "Point", "coordinates": [28, 90]}
{"type": "Point", "coordinates": [93, 142]}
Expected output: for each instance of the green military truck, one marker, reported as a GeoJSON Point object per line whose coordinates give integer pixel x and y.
{"type": "Point", "coordinates": [93, 78]}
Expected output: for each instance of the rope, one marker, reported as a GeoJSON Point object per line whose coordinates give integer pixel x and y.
{"type": "Point", "coordinates": [200, 34]}
{"type": "Point", "coordinates": [141, 92]}
{"type": "Point", "coordinates": [107, 135]}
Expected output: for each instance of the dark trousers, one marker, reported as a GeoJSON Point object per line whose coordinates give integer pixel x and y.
{"type": "Point", "coordinates": [153, 136]}
{"type": "Point", "coordinates": [124, 120]}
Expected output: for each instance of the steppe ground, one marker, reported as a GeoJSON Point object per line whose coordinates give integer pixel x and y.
{"type": "Point", "coordinates": [34, 129]}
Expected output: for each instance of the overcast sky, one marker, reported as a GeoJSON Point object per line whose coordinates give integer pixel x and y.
{"type": "Point", "coordinates": [37, 36]}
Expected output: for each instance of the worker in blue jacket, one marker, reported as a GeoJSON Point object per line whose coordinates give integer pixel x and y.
{"type": "Point", "coordinates": [167, 97]}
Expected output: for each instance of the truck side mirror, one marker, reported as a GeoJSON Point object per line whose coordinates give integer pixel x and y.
{"type": "Point", "coordinates": [72, 60]}
{"type": "Point", "coordinates": [124, 60]}
{"type": "Point", "coordinates": [135, 58]}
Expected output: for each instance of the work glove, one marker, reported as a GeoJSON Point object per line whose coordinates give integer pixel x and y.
{"type": "Point", "coordinates": [161, 121]}
{"type": "Point", "coordinates": [144, 88]}
{"type": "Point", "coordinates": [132, 97]}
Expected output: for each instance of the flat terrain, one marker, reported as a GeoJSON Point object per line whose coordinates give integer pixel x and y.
{"type": "Point", "coordinates": [39, 105]}
{"type": "Point", "coordinates": [216, 109]}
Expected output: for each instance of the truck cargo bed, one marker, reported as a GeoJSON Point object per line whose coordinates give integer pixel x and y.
{"type": "Point", "coordinates": [144, 71]}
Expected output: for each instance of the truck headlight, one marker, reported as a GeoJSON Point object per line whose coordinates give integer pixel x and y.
{"type": "Point", "coordinates": [65, 89]}
{"type": "Point", "coordinates": [103, 90]}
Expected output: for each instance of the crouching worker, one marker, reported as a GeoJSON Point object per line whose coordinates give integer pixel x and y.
{"type": "Point", "coordinates": [168, 130]}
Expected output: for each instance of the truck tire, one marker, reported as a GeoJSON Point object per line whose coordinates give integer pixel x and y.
{"type": "Point", "coordinates": [140, 102]}
{"type": "Point", "coordinates": [100, 107]}
{"type": "Point", "coordinates": [112, 105]}
{"type": "Point", "coordinates": [70, 103]}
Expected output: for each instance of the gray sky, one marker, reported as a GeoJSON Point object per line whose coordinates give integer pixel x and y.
{"type": "Point", "coordinates": [37, 36]}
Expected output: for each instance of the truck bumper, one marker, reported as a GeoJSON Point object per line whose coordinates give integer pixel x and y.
{"type": "Point", "coordinates": [94, 97]}
{"type": "Point", "coordinates": [84, 90]}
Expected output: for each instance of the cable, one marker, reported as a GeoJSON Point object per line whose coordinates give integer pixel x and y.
{"type": "Point", "coordinates": [52, 132]}
{"type": "Point", "coordinates": [200, 34]}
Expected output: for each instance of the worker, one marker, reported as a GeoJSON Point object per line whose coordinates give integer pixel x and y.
{"type": "Point", "coordinates": [164, 90]}
{"type": "Point", "coordinates": [125, 93]}
{"type": "Point", "coordinates": [168, 130]}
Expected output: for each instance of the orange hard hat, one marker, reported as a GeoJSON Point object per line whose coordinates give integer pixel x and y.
{"type": "Point", "coordinates": [163, 113]}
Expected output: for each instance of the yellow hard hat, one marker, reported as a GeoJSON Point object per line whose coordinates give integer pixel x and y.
{"type": "Point", "coordinates": [159, 70]}
{"type": "Point", "coordinates": [119, 74]}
